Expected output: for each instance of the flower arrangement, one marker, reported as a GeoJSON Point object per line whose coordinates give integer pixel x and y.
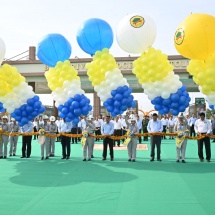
{"type": "Point", "coordinates": [85, 134]}
{"type": "Point", "coordinates": [41, 131]}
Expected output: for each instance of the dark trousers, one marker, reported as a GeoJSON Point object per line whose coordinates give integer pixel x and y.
{"type": "Point", "coordinates": [35, 136]}
{"type": "Point", "coordinates": [58, 138]}
{"type": "Point", "coordinates": [117, 132]}
{"type": "Point", "coordinates": [98, 132]}
{"type": "Point", "coordinates": [192, 131]}
{"type": "Point", "coordinates": [65, 141]}
{"type": "Point", "coordinates": [145, 138]}
{"type": "Point", "coordinates": [107, 141]}
{"type": "Point", "coordinates": [164, 130]}
{"type": "Point", "coordinates": [205, 141]}
{"type": "Point", "coordinates": [26, 143]}
{"type": "Point", "coordinates": [74, 131]}
{"type": "Point", "coordinates": [140, 140]}
{"type": "Point", "coordinates": [79, 132]}
{"type": "Point", "coordinates": [155, 140]}
{"type": "Point", "coordinates": [214, 134]}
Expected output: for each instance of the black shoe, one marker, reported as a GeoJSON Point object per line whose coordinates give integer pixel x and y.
{"type": "Point", "coordinates": [42, 158]}
{"type": "Point", "coordinates": [10, 155]}
{"type": "Point", "coordinates": [129, 160]}
{"type": "Point", "coordinates": [111, 159]}
{"type": "Point", "coordinates": [103, 159]}
{"type": "Point", "coordinates": [47, 158]}
{"type": "Point", "coordinates": [63, 158]}
{"type": "Point", "coordinates": [133, 160]}
{"type": "Point", "coordinates": [5, 157]}
{"type": "Point", "coordinates": [118, 145]}
{"type": "Point", "coordinates": [89, 159]}
{"type": "Point", "coordinates": [84, 159]}
{"type": "Point", "coordinates": [201, 160]}
{"type": "Point", "coordinates": [152, 159]}
{"type": "Point", "coordinates": [183, 161]}
{"type": "Point", "coordinates": [208, 161]}
{"type": "Point", "coordinates": [23, 157]}
{"type": "Point", "coordinates": [1, 157]}
{"type": "Point", "coordinates": [28, 156]}
{"type": "Point", "coordinates": [159, 159]}
{"type": "Point", "coordinates": [67, 158]}
{"type": "Point", "coordinates": [14, 154]}
{"type": "Point", "coordinates": [177, 161]}
{"type": "Point", "coordinates": [92, 156]}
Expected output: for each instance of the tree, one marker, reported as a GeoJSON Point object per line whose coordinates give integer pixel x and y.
{"type": "Point", "coordinates": [209, 113]}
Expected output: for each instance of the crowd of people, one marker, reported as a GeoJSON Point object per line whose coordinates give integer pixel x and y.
{"type": "Point", "coordinates": [109, 126]}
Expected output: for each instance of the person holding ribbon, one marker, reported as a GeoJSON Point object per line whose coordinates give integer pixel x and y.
{"type": "Point", "coordinates": [181, 127]}
{"type": "Point", "coordinates": [89, 143]}
{"type": "Point", "coordinates": [132, 145]}
{"type": "Point", "coordinates": [53, 128]}
{"type": "Point", "coordinates": [14, 128]}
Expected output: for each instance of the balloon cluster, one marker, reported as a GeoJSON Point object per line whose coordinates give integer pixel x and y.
{"type": "Point", "coordinates": [75, 107]}
{"type": "Point", "coordinates": [29, 111]}
{"type": "Point", "coordinates": [121, 100]}
{"type": "Point", "coordinates": [101, 64]}
{"type": "Point", "coordinates": [2, 107]}
{"type": "Point", "coordinates": [177, 102]}
{"type": "Point", "coordinates": [154, 73]}
{"type": "Point", "coordinates": [202, 55]}
{"type": "Point", "coordinates": [16, 94]}
{"type": "Point", "coordinates": [63, 78]}
{"type": "Point", "coordinates": [103, 71]}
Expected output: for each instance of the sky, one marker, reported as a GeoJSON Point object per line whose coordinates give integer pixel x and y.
{"type": "Point", "coordinates": [23, 23]}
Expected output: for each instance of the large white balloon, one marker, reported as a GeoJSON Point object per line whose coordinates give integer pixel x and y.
{"type": "Point", "coordinates": [2, 51]}
{"type": "Point", "coordinates": [136, 33]}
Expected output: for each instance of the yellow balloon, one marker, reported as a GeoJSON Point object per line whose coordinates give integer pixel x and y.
{"type": "Point", "coordinates": [195, 36]}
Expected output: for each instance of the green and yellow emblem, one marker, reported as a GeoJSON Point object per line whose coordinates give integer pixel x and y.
{"type": "Point", "coordinates": [179, 36]}
{"type": "Point", "coordinates": [137, 21]}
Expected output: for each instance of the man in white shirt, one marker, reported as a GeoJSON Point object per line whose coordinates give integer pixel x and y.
{"type": "Point", "coordinates": [97, 123]}
{"type": "Point", "coordinates": [171, 123]}
{"type": "Point", "coordinates": [202, 127]}
{"type": "Point", "coordinates": [117, 130]}
{"type": "Point", "coordinates": [164, 121]}
{"type": "Point", "coordinates": [155, 125]}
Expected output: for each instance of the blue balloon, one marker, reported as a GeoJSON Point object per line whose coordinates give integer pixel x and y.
{"type": "Point", "coordinates": [76, 120]}
{"type": "Point", "coordinates": [94, 35]}
{"type": "Point", "coordinates": [68, 119]}
{"type": "Point", "coordinates": [110, 101]}
{"type": "Point", "coordinates": [166, 102]}
{"type": "Point", "coordinates": [181, 108]}
{"type": "Point", "coordinates": [24, 120]}
{"type": "Point", "coordinates": [36, 98]}
{"type": "Point", "coordinates": [70, 100]}
{"type": "Point", "coordinates": [84, 110]}
{"type": "Point", "coordinates": [42, 109]}
{"type": "Point", "coordinates": [61, 115]}
{"type": "Point", "coordinates": [179, 92]}
{"type": "Point", "coordinates": [34, 114]}
{"type": "Point", "coordinates": [126, 94]}
{"type": "Point", "coordinates": [113, 92]}
{"type": "Point", "coordinates": [119, 90]}
{"type": "Point", "coordinates": [60, 107]}
{"type": "Point", "coordinates": [174, 105]}
{"type": "Point", "coordinates": [82, 103]}
{"type": "Point", "coordinates": [77, 97]}
{"type": "Point", "coordinates": [124, 101]}
{"type": "Point", "coordinates": [110, 108]}
{"type": "Point", "coordinates": [118, 97]}
{"type": "Point", "coordinates": [29, 109]}
{"type": "Point", "coordinates": [30, 102]}
{"type": "Point", "coordinates": [158, 107]}
{"type": "Point", "coordinates": [22, 108]}
{"type": "Point", "coordinates": [53, 48]}
{"type": "Point", "coordinates": [175, 112]}
{"type": "Point", "coordinates": [117, 104]}
{"type": "Point", "coordinates": [134, 104]}
{"type": "Point", "coordinates": [158, 100]}
{"type": "Point", "coordinates": [183, 88]}
{"type": "Point", "coordinates": [18, 118]}
{"type": "Point", "coordinates": [75, 104]}
{"type": "Point", "coordinates": [65, 110]}
{"type": "Point", "coordinates": [116, 111]}
{"type": "Point", "coordinates": [123, 108]}
{"type": "Point", "coordinates": [174, 97]}
{"type": "Point", "coordinates": [77, 111]}
{"type": "Point", "coordinates": [37, 105]}
{"type": "Point", "coordinates": [24, 113]}
{"type": "Point", "coordinates": [182, 100]}
{"type": "Point", "coordinates": [90, 107]}
{"type": "Point", "coordinates": [66, 104]}
{"type": "Point", "coordinates": [166, 110]}
{"type": "Point", "coordinates": [211, 107]}
{"type": "Point", "coordinates": [129, 90]}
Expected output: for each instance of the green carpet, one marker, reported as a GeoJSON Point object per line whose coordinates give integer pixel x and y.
{"type": "Point", "coordinates": [55, 186]}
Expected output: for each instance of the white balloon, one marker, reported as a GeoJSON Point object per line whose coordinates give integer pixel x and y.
{"type": "Point", "coordinates": [136, 33]}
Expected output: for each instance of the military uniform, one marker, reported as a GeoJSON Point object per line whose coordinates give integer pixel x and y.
{"type": "Point", "coordinates": [90, 127]}
{"type": "Point", "coordinates": [4, 140]}
{"type": "Point", "coordinates": [13, 139]}
{"type": "Point", "coordinates": [145, 124]}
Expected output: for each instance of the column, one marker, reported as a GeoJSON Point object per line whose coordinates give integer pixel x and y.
{"type": "Point", "coordinates": [32, 53]}
{"type": "Point", "coordinates": [55, 110]}
{"type": "Point", "coordinates": [96, 105]}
